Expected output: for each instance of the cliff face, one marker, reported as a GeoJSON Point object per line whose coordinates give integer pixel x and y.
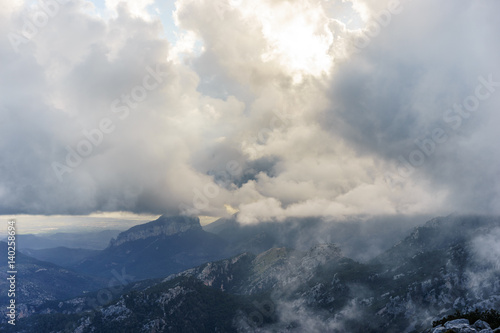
{"type": "Point", "coordinates": [163, 226]}
{"type": "Point", "coordinates": [165, 246]}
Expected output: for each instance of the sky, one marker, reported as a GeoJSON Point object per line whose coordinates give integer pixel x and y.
{"type": "Point", "coordinates": [269, 108]}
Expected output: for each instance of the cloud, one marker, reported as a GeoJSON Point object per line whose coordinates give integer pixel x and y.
{"type": "Point", "coordinates": [262, 106]}
{"type": "Point", "coordinates": [390, 97]}
{"type": "Point", "coordinates": [136, 8]}
{"type": "Point", "coordinates": [484, 268]}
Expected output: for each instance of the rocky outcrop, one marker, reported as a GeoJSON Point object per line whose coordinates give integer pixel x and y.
{"type": "Point", "coordinates": [463, 326]}
{"type": "Point", "coordinates": [164, 225]}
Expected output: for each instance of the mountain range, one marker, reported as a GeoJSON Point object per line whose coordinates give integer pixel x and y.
{"type": "Point", "coordinates": [445, 265]}
{"type": "Point", "coordinates": [155, 249]}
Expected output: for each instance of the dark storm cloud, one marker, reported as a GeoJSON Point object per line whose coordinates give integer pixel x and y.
{"type": "Point", "coordinates": [391, 97]}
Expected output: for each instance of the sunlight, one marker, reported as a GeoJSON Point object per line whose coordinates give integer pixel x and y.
{"type": "Point", "coordinates": [299, 39]}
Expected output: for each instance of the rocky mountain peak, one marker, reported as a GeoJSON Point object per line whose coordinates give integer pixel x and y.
{"type": "Point", "coordinates": [164, 225]}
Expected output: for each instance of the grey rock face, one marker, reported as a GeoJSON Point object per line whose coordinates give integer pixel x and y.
{"type": "Point", "coordinates": [164, 225]}
{"type": "Point", "coordinates": [463, 326]}
{"type": "Point", "coordinates": [480, 325]}
{"type": "Point", "coordinates": [456, 323]}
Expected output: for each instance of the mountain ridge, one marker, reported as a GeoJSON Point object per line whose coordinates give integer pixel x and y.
{"type": "Point", "coordinates": [158, 248]}
{"type": "Point", "coordinates": [433, 271]}
{"type": "Point", "coordinates": [164, 225]}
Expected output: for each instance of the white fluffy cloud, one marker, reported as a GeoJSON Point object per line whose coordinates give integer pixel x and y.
{"type": "Point", "coordinates": [270, 107]}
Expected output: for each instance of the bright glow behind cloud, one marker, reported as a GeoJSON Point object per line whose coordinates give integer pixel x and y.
{"type": "Point", "coordinates": [298, 37]}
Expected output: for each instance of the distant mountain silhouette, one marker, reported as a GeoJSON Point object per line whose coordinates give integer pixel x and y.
{"type": "Point", "coordinates": [39, 281]}
{"type": "Point", "coordinates": [158, 248]}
